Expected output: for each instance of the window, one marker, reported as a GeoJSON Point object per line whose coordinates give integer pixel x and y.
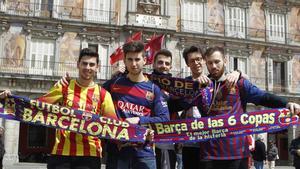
{"type": "Point", "coordinates": [41, 57]}
{"type": "Point", "coordinates": [238, 63]}
{"type": "Point", "coordinates": [41, 7]}
{"type": "Point", "coordinates": [235, 22]}
{"type": "Point", "coordinates": [276, 27]}
{"type": "Point", "coordinates": [279, 75]}
{"type": "Point", "coordinates": [192, 16]}
{"type": "Point", "coordinates": [102, 50]}
{"type": "Point", "coordinates": [97, 10]}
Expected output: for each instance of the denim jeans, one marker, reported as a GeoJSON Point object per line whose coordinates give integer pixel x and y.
{"type": "Point", "coordinates": [129, 162]}
{"type": "Point", "coordinates": [179, 161]}
{"type": "Point", "coordinates": [258, 164]}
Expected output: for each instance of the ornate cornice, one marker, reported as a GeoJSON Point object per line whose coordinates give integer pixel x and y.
{"type": "Point", "coordinates": [238, 3]}
{"type": "Point", "coordinates": [277, 7]}
{"type": "Point", "coordinates": [278, 55]}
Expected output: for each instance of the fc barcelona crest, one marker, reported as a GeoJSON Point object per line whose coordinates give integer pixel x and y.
{"type": "Point", "coordinates": [232, 90]}
{"type": "Point", "coordinates": [149, 96]}
{"type": "Point", "coordinates": [95, 98]}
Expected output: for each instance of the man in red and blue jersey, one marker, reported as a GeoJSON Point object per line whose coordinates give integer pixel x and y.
{"type": "Point", "coordinates": [193, 57]}
{"type": "Point", "coordinates": [229, 153]}
{"type": "Point", "coordinates": [138, 101]}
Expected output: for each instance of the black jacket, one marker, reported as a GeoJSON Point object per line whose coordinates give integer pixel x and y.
{"type": "Point", "coordinates": [295, 144]}
{"type": "Point", "coordinates": [259, 153]}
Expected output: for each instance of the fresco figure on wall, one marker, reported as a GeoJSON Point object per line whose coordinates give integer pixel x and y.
{"type": "Point", "coordinates": [256, 20]}
{"type": "Point", "coordinates": [14, 49]}
{"type": "Point", "coordinates": [294, 25]}
{"type": "Point", "coordinates": [19, 6]}
{"type": "Point", "coordinates": [215, 16]}
{"type": "Point", "coordinates": [69, 51]}
{"type": "Point", "coordinates": [73, 8]}
{"type": "Point", "coordinates": [296, 74]}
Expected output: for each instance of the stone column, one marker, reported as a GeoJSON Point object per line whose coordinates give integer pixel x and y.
{"type": "Point", "coordinates": [11, 142]}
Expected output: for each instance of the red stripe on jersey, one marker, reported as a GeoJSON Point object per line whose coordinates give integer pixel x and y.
{"type": "Point", "coordinates": [222, 145]}
{"type": "Point", "coordinates": [65, 94]}
{"type": "Point", "coordinates": [89, 108]}
{"type": "Point", "coordinates": [97, 143]}
{"type": "Point", "coordinates": [76, 101]}
{"type": "Point", "coordinates": [61, 143]}
{"type": "Point", "coordinates": [133, 91]}
{"type": "Point", "coordinates": [99, 102]}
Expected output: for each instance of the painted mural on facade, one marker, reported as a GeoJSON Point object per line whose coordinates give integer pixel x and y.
{"type": "Point", "coordinates": [294, 24]}
{"type": "Point", "coordinates": [296, 74]}
{"type": "Point", "coordinates": [14, 48]}
{"type": "Point", "coordinates": [71, 9]}
{"type": "Point", "coordinates": [69, 52]}
{"type": "Point", "coordinates": [215, 16]}
{"type": "Point", "coordinates": [257, 73]}
{"type": "Point", "coordinates": [257, 20]}
{"type": "Point", "coordinates": [18, 6]}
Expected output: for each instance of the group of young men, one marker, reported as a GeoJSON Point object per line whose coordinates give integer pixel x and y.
{"type": "Point", "coordinates": [131, 96]}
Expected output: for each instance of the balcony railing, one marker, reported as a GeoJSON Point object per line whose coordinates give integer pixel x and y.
{"type": "Point", "coordinates": [59, 12]}
{"type": "Point", "coordinates": [234, 31]}
{"type": "Point", "coordinates": [43, 68]}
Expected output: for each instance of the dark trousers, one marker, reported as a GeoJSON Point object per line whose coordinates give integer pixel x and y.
{"type": "Point", "coordinates": [191, 157]}
{"type": "Point", "coordinates": [73, 162]}
{"type": "Point", "coordinates": [221, 164]}
{"type": "Point", "coordinates": [159, 160]}
{"type": "Point", "coordinates": [244, 163]}
{"type": "Point", "coordinates": [1, 163]}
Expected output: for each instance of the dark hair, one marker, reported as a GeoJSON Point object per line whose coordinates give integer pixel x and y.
{"type": "Point", "coordinates": [189, 50]}
{"type": "Point", "coordinates": [212, 50]}
{"type": "Point", "coordinates": [134, 46]}
{"type": "Point", "coordinates": [88, 52]}
{"type": "Point", "coordinates": [164, 52]}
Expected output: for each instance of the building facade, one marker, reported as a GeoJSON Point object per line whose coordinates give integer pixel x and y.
{"type": "Point", "coordinates": [40, 40]}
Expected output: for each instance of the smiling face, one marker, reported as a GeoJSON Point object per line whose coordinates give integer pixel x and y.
{"type": "Point", "coordinates": [216, 64]}
{"type": "Point", "coordinates": [87, 67]}
{"type": "Point", "coordinates": [162, 64]}
{"type": "Point", "coordinates": [134, 62]}
{"type": "Point", "coordinates": [195, 62]}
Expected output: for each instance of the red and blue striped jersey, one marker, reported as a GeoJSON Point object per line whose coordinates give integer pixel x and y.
{"type": "Point", "coordinates": [138, 99]}
{"type": "Point", "coordinates": [227, 101]}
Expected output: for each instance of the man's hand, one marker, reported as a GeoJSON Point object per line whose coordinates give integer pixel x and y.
{"type": "Point", "coordinates": [294, 108]}
{"type": "Point", "coordinates": [298, 152]}
{"type": "Point", "coordinates": [120, 70]}
{"type": "Point", "coordinates": [133, 120]}
{"type": "Point", "coordinates": [4, 94]}
{"type": "Point", "coordinates": [232, 78]}
{"type": "Point", "coordinates": [64, 81]}
{"type": "Point", "coordinates": [149, 135]}
{"type": "Point", "coordinates": [203, 80]}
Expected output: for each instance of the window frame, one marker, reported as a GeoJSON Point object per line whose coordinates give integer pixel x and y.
{"type": "Point", "coordinates": [235, 27]}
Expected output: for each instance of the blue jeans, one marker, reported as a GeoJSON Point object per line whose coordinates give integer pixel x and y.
{"type": "Point", "coordinates": [258, 164]}
{"type": "Point", "coordinates": [136, 163]}
{"type": "Point", "coordinates": [128, 162]}
{"type": "Point", "coordinates": [179, 161]}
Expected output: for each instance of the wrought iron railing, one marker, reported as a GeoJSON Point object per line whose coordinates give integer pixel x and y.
{"type": "Point", "coordinates": [59, 12]}
{"type": "Point", "coordinates": [228, 30]}
{"type": "Point", "coordinates": [27, 68]}
{"type": "Point", "coordinates": [44, 68]}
